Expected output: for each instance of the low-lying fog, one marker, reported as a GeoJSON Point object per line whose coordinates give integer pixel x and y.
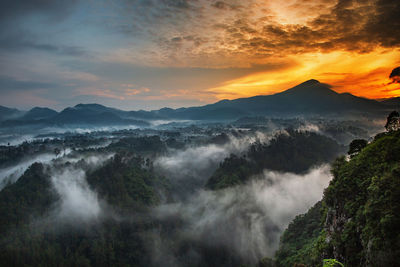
{"type": "Point", "coordinates": [246, 219]}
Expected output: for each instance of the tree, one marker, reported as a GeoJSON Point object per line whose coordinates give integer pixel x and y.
{"type": "Point", "coordinates": [356, 146]}
{"type": "Point", "coordinates": [332, 263]}
{"type": "Point", "coordinates": [57, 151]}
{"type": "Point", "coordinates": [393, 121]}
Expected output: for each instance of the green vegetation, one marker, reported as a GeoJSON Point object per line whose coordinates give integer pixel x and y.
{"type": "Point", "coordinates": [332, 263]}
{"type": "Point", "coordinates": [300, 238]}
{"type": "Point", "coordinates": [356, 146]}
{"type": "Point", "coordinates": [293, 152]}
{"type": "Point", "coordinates": [136, 186]}
{"type": "Point", "coordinates": [29, 197]}
{"type": "Point", "coordinates": [393, 121]}
{"type": "Point", "coordinates": [32, 235]}
{"type": "Point", "coordinates": [140, 145]}
{"type": "Point", "coordinates": [360, 212]}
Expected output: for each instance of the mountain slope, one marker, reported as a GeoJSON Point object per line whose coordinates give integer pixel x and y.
{"type": "Point", "coordinates": [94, 114]}
{"type": "Point", "coordinates": [393, 102]}
{"type": "Point", "coordinates": [360, 214]}
{"type": "Point", "coordinates": [310, 97]}
{"type": "Point", "coordinates": [293, 152]}
{"type": "Point", "coordinates": [9, 113]}
{"type": "Point", "coordinates": [39, 113]}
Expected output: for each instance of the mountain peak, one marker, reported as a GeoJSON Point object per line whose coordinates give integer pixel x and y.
{"type": "Point", "coordinates": [310, 82]}
{"type": "Point", "coordinates": [91, 105]}
{"type": "Point", "coordinates": [309, 88]}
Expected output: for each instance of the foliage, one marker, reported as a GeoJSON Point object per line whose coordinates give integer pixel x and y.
{"type": "Point", "coordinates": [29, 197]}
{"type": "Point", "coordinates": [30, 235]}
{"type": "Point", "coordinates": [356, 146]}
{"type": "Point", "coordinates": [393, 121]}
{"type": "Point", "coordinates": [331, 263]}
{"type": "Point", "coordinates": [139, 145]}
{"type": "Point", "coordinates": [136, 186]}
{"type": "Point", "coordinates": [361, 209]}
{"type": "Point", "coordinates": [289, 152]}
{"type": "Point", "coordinates": [299, 239]}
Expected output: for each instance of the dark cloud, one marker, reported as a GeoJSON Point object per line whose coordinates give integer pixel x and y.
{"type": "Point", "coordinates": [395, 75]}
{"type": "Point", "coordinates": [384, 26]}
{"type": "Point", "coordinates": [18, 44]}
{"type": "Point", "coordinates": [236, 29]}
{"type": "Point", "coordinates": [225, 6]}
{"type": "Point", "coordinates": [16, 35]}
{"type": "Point", "coordinates": [10, 84]}
{"type": "Point", "coordinates": [351, 25]}
{"type": "Point", "coordinates": [55, 10]}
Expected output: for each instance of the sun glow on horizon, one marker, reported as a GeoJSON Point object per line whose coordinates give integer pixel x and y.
{"type": "Point", "coordinates": [365, 75]}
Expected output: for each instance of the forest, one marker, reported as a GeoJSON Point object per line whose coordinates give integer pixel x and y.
{"type": "Point", "coordinates": [210, 195]}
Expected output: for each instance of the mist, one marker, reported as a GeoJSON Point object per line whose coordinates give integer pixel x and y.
{"type": "Point", "coordinates": [12, 174]}
{"type": "Point", "coordinates": [247, 219]}
{"type": "Point", "coordinates": [76, 199]}
{"type": "Point", "coordinates": [195, 164]}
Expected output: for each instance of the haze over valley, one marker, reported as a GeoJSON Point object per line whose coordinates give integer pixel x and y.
{"type": "Point", "coordinates": [200, 133]}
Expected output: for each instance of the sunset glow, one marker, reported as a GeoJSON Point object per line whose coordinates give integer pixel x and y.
{"type": "Point", "coordinates": [185, 53]}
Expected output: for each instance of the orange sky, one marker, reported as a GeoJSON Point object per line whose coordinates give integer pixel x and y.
{"type": "Point", "coordinates": [364, 75]}
{"type": "Point", "coordinates": [153, 54]}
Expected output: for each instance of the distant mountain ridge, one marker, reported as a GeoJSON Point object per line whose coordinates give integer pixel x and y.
{"type": "Point", "coordinates": [38, 113]}
{"type": "Point", "coordinates": [9, 113]}
{"type": "Point", "coordinates": [308, 98]}
{"type": "Point", "coordinates": [394, 101]}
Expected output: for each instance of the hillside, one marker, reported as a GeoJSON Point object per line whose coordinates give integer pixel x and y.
{"type": "Point", "coordinates": [9, 113]}
{"type": "Point", "coordinates": [359, 219]}
{"type": "Point", "coordinates": [293, 151]}
{"type": "Point", "coordinates": [34, 231]}
{"type": "Point", "coordinates": [39, 113]}
{"type": "Point", "coordinates": [393, 102]}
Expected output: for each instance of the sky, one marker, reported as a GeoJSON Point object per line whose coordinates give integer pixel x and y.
{"type": "Point", "coordinates": [149, 54]}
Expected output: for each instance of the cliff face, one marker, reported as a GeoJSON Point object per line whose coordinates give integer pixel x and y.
{"type": "Point", "coordinates": [360, 214]}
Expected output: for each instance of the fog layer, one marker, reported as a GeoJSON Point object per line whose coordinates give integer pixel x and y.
{"type": "Point", "coordinates": [247, 219]}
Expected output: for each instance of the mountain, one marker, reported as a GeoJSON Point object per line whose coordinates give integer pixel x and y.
{"type": "Point", "coordinates": [9, 113]}
{"type": "Point", "coordinates": [308, 98]}
{"type": "Point", "coordinates": [358, 220]}
{"type": "Point", "coordinates": [97, 108]}
{"type": "Point", "coordinates": [94, 114]}
{"type": "Point", "coordinates": [79, 115]}
{"type": "Point", "coordinates": [39, 113]}
{"type": "Point", "coordinates": [394, 102]}
{"type": "Point", "coordinates": [291, 151]}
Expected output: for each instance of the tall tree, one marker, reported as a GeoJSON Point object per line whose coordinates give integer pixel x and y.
{"type": "Point", "coordinates": [393, 121]}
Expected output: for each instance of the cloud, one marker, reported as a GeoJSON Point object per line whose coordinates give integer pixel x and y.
{"type": "Point", "coordinates": [256, 30]}
{"type": "Point", "coordinates": [247, 220]}
{"type": "Point", "coordinates": [23, 26]}
{"type": "Point", "coordinates": [78, 201]}
{"type": "Point", "coordinates": [13, 173]}
{"type": "Point", "coordinates": [53, 10]}
{"type": "Point", "coordinates": [183, 50]}
{"type": "Point", "coordinates": [188, 169]}
{"type": "Point", "coordinates": [395, 75]}
{"type": "Point", "coordinates": [9, 84]}
{"type": "Point", "coordinates": [21, 41]}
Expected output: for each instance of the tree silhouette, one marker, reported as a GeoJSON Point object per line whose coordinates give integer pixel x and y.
{"type": "Point", "coordinates": [356, 146]}
{"type": "Point", "coordinates": [393, 121]}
